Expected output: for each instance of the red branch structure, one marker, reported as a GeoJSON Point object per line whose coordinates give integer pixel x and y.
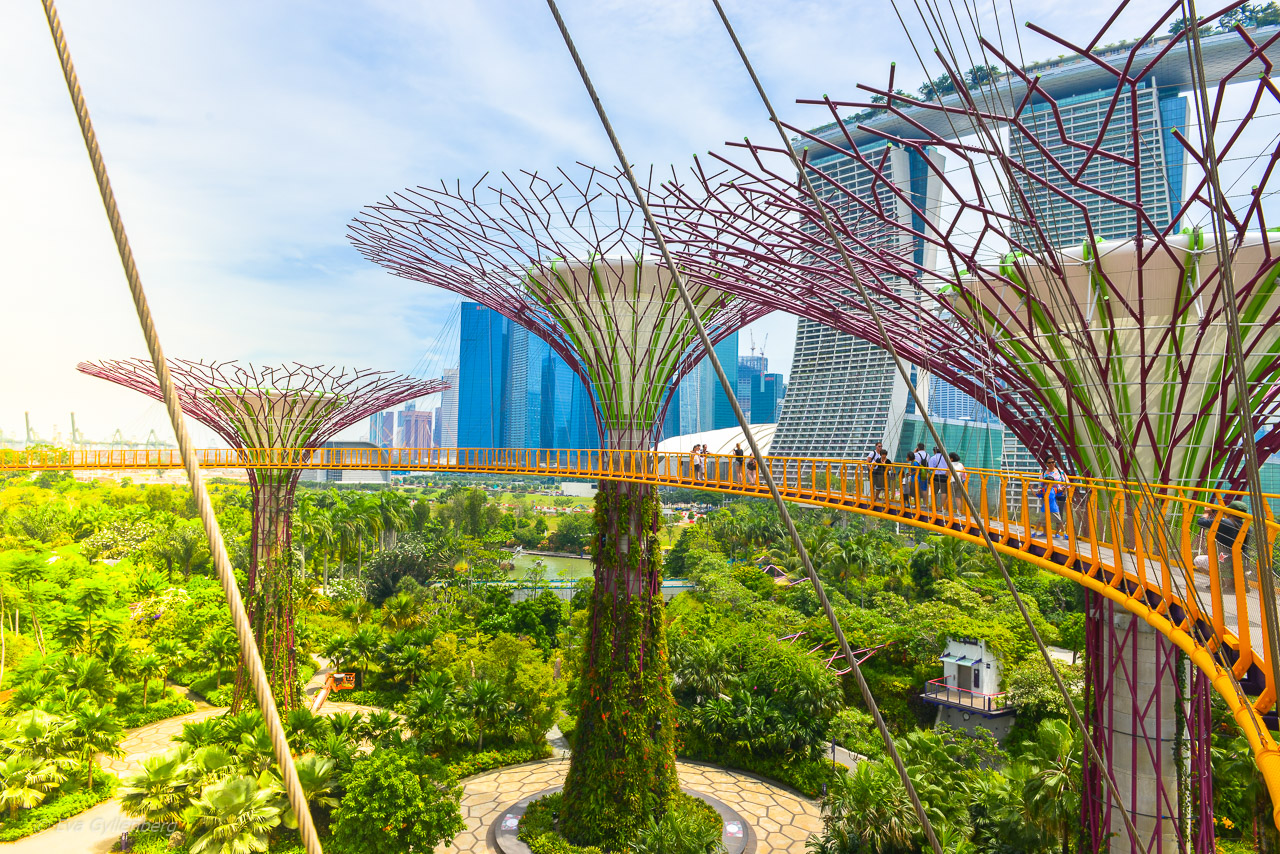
{"type": "Point", "coordinates": [564, 256]}
{"type": "Point", "coordinates": [1109, 352]}
{"type": "Point", "coordinates": [290, 407]}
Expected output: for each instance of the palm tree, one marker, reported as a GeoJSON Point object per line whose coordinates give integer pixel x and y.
{"type": "Point", "coordinates": [867, 810]}
{"type": "Point", "coordinates": [317, 774]}
{"type": "Point", "coordinates": [396, 514]}
{"type": "Point", "coordinates": [90, 597]}
{"type": "Point", "coordinates": [484, 700]}
{"type": "Point", "coordinates": [232, 817]}
{"type": "Point", "coordinates": [223, 649]}
{"type": "Point", "coordinates": [90, 675]}
{"type": "Point", "coordinates": [26, 781]}
{"type": "Point", "coordinates": [369, 523]}
{"type": "Point", "coordinates": [311, 524]}
{"type": "Point", "coordinates": [94, 730]}
{"type": "Point", "coordinates": [364, 644]}
{"type": "Point", "coordinates": [1051, 794]}
{"type": "Point", "coordinates": [148, 666]}
{"type": "Point", "coordinates": [158, 791]}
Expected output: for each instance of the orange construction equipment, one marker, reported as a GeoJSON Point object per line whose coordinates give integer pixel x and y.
{"type": "Point", "coordinates": [334, 682]}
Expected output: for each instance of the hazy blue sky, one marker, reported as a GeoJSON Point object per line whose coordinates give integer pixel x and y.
{"type": "Point", "coordinates": [241, 138]}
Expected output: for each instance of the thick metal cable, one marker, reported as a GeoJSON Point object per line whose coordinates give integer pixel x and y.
{"type": "Point", "coordinates": [1266, 581]}
{"type": "Point", "coordinates": [903, 371]}
{"type": "Point", "coordinates": [761, 466]}
{"type": "Point", "coordinates": [217, 548]}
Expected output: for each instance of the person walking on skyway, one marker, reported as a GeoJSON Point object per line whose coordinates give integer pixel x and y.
{"type": "Point", "coordinates": [938, 466]}
{"type": "Point", "coordinates": [1230, 530]}
{"type": "Point", "coordinates": [1053, 499]}
{"type": "Point", "coordinates": [737, 462]}
{"type": "Point", "coordinates": [695, 460]}
{"type": "Point", "coordinates": [871, 459]}
{"type": "Point", "coordinates": [916, 486]}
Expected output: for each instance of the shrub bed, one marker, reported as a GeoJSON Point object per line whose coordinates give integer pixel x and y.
{"type": "Point", "coordinates": [58, 807]}
{"type": "Point", "coordinates": [700, 828]}
{"type": "Point", "coordinates": [806, 776]}
{"type": "Point", "coordinates": [170, 707]}
{"type": "Point", "coordinates": [478, 763]}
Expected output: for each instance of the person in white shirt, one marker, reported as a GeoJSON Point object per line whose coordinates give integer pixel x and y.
{"type": "Point", "coordinates": [696, 459]}
{"type": "Point", "coordinates": [955, 504]}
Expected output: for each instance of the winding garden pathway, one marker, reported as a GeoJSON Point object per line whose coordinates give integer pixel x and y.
{"type": "Point", "coordinates": [96, 830]}
{"type": "Point", "coordinates": [782, 819]}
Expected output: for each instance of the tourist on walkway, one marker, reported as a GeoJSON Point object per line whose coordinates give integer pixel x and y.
{"type": "Point", "coordinates": [696, 459]}
{"type": "Point", "coordinates": [872, 459]}
{"type": "Point", "coordinates": [938, 468]}
{"type": "Point", "coordinates": [1053, 499]}
{"type": "Point", "coordinates": [737, 462]}
{"type": "Point", "coordinates": [879, 471]}
{"type": "Point", "coordinates": [917, 482]}
{"type": "Point", "coordinates": [955, 504]}
{"type": "Point", "coordinates": [752, 475]}
{"type": "Point", "coordinates": [1229, 532]}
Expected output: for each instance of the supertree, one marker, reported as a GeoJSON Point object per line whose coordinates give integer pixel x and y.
{"type": "Point", "coordinates": [289, 411]}
{"type": "Point", "coordinates": [1067, 295]}
{"type": "Point", "coordinates": [1080, 266]}
{"type": "Point", "coordinates": [564, 255]}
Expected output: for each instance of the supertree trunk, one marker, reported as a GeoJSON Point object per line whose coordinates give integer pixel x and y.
{"type": "Point", "coordinates": [623, 765]}
{"type": "Point", "coordinates": [269, 597]}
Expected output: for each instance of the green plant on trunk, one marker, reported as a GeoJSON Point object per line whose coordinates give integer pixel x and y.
{"type": "Point", "coordinates": [623, 765]}
{"type": "Point", "coordinates": [94, 731]}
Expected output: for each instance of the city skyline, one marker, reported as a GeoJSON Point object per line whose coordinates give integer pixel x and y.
{"type": "Point", "coordinates": [227, 178]}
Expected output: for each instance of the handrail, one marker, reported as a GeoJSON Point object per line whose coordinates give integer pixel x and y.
{"type": "Point", "coordinates": [976, 699]}
{"type": "Point", "coordinates": [1213, 615]}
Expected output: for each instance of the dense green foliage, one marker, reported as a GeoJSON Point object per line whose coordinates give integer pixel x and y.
{"type": "Point", "coordinates": [687, 826]}
{"type": "Point", "coordinates": [396, 802]}
{"type": "Point", "coordinates": [105, 600]}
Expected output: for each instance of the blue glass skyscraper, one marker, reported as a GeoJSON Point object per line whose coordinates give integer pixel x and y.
{"type": "Point", "coordinates": [483, 360]}
{"type": "Point", "coordinates": [727, 351]}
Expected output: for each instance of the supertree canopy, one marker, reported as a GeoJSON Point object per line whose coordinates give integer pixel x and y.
{"type": "Point", "coordinates": [565, 257]}
{"type": "Point", "coordinates": [1062, 268]}
{"type": "Point", "coordinates": [294, 408]}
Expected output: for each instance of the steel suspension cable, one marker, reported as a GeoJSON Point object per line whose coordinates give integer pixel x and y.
{"type": "Point", "coordinates": [761, 466]}
{"type": "Point", "coordinates": [905, 374]}
{"type": "Point", "coordinates": [1266, 581]}
{"type": "Point", "coordinates": [217, 547]}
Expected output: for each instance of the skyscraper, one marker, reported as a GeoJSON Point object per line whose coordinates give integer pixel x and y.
{"type": "Point", "coordinates": [437, 425]}
{"type": "Point", "coordinates": [449, 410]}
{"type": "Point", "coordinates": [721, 410]}
{"type": "Point", "coordinates": [382, 429]}
{"type": "Point", "coordinates": [483, 360]}
{"type": "Point", "coordinates": [1160, 113]}
{"type": "Point", "coordinates": [767, 398]}
{"type": "Point", "coordinates": [844, 393]}
{"type": "Point", "coordinates": [750, 369]}
{"type": "Point", "coordinates": [547, 405]}
{"type": "Point", "coordinates": [414, 429]}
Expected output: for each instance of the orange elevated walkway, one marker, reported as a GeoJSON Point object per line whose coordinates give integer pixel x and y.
{"type": "Point", "coordinates": [1213, 614]}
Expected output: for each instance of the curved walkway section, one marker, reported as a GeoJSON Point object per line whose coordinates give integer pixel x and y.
{"type": "Point", "coordinates": [781, 819]}
{"type": "Point", "coordinates": [1103, 541]}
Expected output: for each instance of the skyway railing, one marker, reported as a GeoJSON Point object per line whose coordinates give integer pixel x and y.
{"type": "Point", "coordinates": [1174, 556]}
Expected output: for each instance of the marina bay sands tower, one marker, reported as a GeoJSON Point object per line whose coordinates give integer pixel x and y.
{"type": "Point", "coordinates": [844, 394]}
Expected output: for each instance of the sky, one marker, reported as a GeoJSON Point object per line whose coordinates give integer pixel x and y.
{"type": "Point", "coordinates": [242, 137]}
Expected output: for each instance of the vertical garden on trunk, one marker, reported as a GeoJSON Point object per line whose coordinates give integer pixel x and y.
{"type": "Point", "coordinates": [564, 256]}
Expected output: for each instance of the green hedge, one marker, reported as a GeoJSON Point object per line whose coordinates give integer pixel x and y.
{"type": "Point", "coordinates": [806, 776]}
{"type": "Point", "coordinates": [170, 707]}
{"type": "Point", "coordinates": [479, 763]}
{"type": "Point", "coordinates": [59, 807]}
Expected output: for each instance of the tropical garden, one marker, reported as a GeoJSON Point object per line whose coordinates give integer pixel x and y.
{"type": "Point", "coordinates": [110, 621]}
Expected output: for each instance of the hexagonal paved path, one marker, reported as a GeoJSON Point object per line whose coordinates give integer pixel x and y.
{"type": "Point", "coordinates": [98, 829]}
{"type": "Point", "coordinates": [782, 820]}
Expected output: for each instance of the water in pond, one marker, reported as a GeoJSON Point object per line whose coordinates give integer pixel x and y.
{"type": "Point", "coordinates": [557, 567]}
